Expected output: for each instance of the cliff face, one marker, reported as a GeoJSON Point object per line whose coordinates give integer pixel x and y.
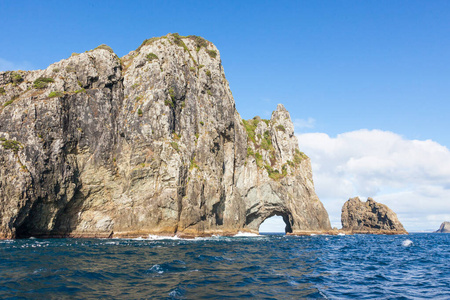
{"type": "Point", "coordinates": [369, 217]}
{"type": "Point", "coordinates": [97, 146]}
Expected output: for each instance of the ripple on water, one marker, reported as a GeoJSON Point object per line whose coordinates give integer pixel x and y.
{"type": "Point", "coordinates": [280, 267]}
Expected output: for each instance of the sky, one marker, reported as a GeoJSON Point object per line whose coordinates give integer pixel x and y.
{"type": "Point", "coordinates": [366, 83]}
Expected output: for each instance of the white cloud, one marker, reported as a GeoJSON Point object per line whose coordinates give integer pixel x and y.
{"type": "Point", "coordinates": [410, 176]}
{"type": "Point", "coordinates": [6, 65]}
{"type": "Point", "coordinates": [300, 124]}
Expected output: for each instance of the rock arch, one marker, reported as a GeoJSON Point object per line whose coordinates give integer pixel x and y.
{"type": "Point", "coordinates": [266, 203]}
{"type": "Point", "coordinates": [254, 220]}
{"type": "Point", "coordinates": [300, 208]}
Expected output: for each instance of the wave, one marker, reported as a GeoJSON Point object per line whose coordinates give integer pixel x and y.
{"type": "Point", "coordinates": [245, 234]}
{"type": "Point", "coordinates": [162, 237]}
{"type": "Point", "coordinates": [156, 269]}
{"type": "Point", "coordinates": [407, 243]}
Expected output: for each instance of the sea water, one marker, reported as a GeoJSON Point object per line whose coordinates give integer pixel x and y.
{"type": "Point", "coordinates": [260, 267]}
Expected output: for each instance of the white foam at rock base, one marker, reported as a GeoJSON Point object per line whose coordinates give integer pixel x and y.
{"type": "Point", "coordinates": [245, 234]}
{"type": "Point", "coordinates": [162, 237]}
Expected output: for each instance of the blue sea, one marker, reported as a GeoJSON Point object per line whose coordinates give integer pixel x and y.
{"type": "Point", "coordinates": [273, 266]}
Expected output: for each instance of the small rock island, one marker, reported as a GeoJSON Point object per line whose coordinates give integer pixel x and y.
{"type": "Point", "coordinates": [445, 228]}
{"type": "Point", "coordinates": [369, 217]}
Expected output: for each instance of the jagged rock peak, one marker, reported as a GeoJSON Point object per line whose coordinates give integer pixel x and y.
{"type": "Point", "coordinates": [369, 217]}
{"type": "Point", "coordinates": [151, 143]}
{"type": "Point", "coordinates": [444, 228]}
{"type": "Point", "coordinates": [280, 107]}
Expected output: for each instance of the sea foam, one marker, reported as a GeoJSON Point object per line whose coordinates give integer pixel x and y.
{"type": "Point", "coordinates": [162, 237]}
{"type": "Point", "coordinates": [245, 234]}
{"type": "Point", "coordinates": [407, 243]}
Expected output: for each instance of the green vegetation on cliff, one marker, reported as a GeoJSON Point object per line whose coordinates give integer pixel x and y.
{"type": "Point", "coordinates": [151, 56]}
{"type": "Point", "coordinates": [299, 156]}
{"type": "Point", "coordinates": [105, 47]}
{"type": "Point", "coordinates": [13, 98]}
{"type": "Point", "coordinates": [42, 82]}
{"type": "Point", "coordinates": [10, 145]}
{"type": "Point", "coordinates": [55, 94]}
{"type": "Point", "coordinates": [16, 78]}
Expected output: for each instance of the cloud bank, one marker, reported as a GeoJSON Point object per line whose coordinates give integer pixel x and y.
{"type": "Point", "coordinates": [412, 177]}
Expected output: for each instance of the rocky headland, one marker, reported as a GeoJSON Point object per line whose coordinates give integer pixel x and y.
{"type": "Point", "coordinates": [150, 143]}
{"type": "Point", "coordinates": [444, 228]}
{"type": "Point", "coordinates": [369, 217]}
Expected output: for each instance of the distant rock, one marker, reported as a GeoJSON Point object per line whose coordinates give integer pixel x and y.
{"type": "Point", "coordinates": [445, 228]}
{"type": "Point", "coordinates": [369, 217]}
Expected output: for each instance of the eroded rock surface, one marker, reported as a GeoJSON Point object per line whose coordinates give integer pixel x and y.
{"type": "Point", "coordinates": [445, 228]}
{"type": "Point", "coordinates": [97, 146]}
{"type": "Point", "coordinates": [369, 217]}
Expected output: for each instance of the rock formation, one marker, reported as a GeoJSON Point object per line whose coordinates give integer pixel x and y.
{"type": "Point", "coordinates": [150, 143]}
{"type": "Point", "coordinates": [369, 217]}
{"type": "Point", "coordinates": [445, 228]}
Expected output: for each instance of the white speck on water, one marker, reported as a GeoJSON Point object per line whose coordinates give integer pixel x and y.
{"type": "Point", "coordinates": [407, 243]}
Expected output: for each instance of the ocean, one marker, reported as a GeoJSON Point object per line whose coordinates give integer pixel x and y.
{"type": "Point", "coordinates": [268, 266]}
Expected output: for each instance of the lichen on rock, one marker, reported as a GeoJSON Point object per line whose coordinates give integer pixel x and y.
{"type": "Point", "coordinates": [150, 143]}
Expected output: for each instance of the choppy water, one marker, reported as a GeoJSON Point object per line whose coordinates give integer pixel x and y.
{"type": "Point", "coordinates": [263, 267]}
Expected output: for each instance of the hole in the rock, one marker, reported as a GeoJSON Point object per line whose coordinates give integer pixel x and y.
{"type": "Point", "coordinates": [273, 224]}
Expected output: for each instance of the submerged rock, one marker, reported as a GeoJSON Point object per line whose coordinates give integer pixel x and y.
{"type": "Point", "coordinates": [151, 143]}
{"type": "Point", "coordinates": [445, 228]}
{"type": "Point", "coordinates": [369, 217]}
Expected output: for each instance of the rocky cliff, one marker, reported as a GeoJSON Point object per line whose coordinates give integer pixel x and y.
{"type": "Point", "coordinates": [445, 228]}
{"type": "Point", "coordinates": [369, 217]}
{"type": "Point", "coordinates": [150, 143]}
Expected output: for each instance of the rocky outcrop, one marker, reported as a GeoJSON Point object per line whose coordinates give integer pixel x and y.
{"type": "Point", "coordinates": [369, 217]}
{"type": "Point", "coordinates": [445, 228]}
{"type": "Point", "coordinates": [150, 143]}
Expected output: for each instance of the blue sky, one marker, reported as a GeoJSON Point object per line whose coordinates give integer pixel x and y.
{"type": "Point", "coordinates": [337, 66]}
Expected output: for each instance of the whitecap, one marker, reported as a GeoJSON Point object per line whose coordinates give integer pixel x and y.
{"type": "Point", "coordinates": [156, 269]}
{"type": "Point", "coordinates": [40, 270]}
{"type": "Point", "coordinates": [245, 234]}
{"type": "Point", "coordinates": [407, 243]}
{"type": "Point", "coordinates": [340, 233]}
{"type": "Point", "coordinates": [293, 282]}
{"type": "Point", "coordinates": [6, 241]}
{"type": "Point", "coordinates": [176, 293]}
{"type": "Point", "coordinates": [111, 243]}
{"type": "Point", "coordinates": [162, 237]}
